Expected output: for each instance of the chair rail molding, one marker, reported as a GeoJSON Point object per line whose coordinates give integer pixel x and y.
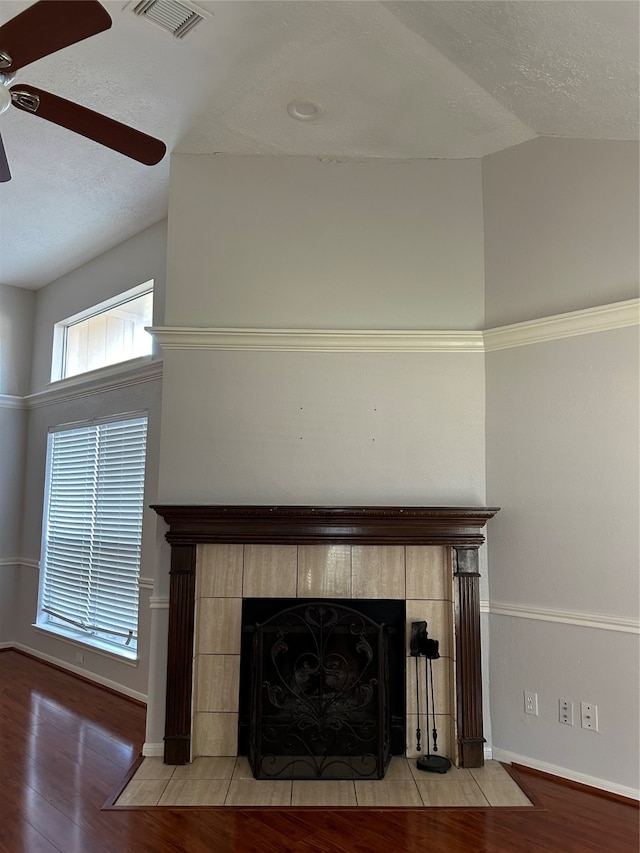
{"type": "Point", "coordinates": [12, 401]}
{"type": "Point", "coordinates": [19, 561]}
{"type": "Point", "coordinates": [580, 619]}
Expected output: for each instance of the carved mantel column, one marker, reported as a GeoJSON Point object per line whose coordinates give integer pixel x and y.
{"type": "Point", "coordinates": [468, 656]}
{"type": "Point", "coordinates": [457, 527]}
{"type": "Point", "coordinates": [177, 740]}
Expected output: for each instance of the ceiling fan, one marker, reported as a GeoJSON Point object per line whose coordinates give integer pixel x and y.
{"type": "Point", "coordinates": [40, 30]}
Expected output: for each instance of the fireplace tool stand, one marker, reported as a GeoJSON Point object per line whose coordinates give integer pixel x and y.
{"type": "Point", "coordinates": [422, 646]}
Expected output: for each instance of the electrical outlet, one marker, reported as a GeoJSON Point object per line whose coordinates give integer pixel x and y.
{"type": "Point", "coordinates": [79, 657]}
{"type": "Point", "coordinates": [531, 702]}
{"type": "Point", "coordinates": [589, 716]}
{"type": "Point", "coordinates": [566, 712]}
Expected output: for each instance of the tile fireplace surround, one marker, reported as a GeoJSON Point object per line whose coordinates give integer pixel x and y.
{"type": "Point", "coordinates": [427, 556]}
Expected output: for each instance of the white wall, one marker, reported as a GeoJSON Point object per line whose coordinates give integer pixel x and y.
{"type": "Point", "coordinates": [299, 242]}
{"type": "Point", "coordinates": [561, 227]}
{"type": "Point", "coordinates": [562, 461]}
{"type": "Point", "coordinates": [323, 428]}
{"type": "Point", "coordinates": [16, 330]}
{"type": "Point", "coordinates": [141, 258]}
{"type": "Point", "coordinates": [294, 242]}
{"type": "Point", "coordinates": [16, 324]}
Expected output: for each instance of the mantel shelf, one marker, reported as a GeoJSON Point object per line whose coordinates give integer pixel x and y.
{"type": "Point", "coordinates": [371, 525]}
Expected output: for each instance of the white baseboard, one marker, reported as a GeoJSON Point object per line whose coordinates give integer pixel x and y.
{"type": "Point", "coordinates": [78, 670]}
{"type": "Point", "coordinates": [153, 750]}
{"type": "Point", "coordinates": [564, 773]}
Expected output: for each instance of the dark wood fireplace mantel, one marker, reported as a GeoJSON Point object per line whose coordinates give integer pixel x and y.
{"type": "Point", "coordinates": [457, 527]}
{"type": "Point", "coordinates": [369, 525]}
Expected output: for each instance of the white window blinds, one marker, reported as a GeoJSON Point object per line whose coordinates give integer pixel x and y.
{"type": "Point", "coordinates": [93, 530]}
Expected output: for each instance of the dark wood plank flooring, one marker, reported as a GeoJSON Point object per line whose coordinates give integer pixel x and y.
{"type": "Point", "coordinates": [66, 745]}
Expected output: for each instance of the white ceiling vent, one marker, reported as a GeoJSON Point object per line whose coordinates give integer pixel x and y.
{"type": "Point", "coordinates": [177, 18]}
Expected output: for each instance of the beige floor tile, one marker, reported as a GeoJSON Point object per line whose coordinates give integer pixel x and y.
{"type": "Point", "coordinates": [242, 769]}
{"type": "Point", "coordinates": [323, 793]}
{"type": "Point", "coordinates": [145, 792]}
{"type": "Point", "coordinates": [384, 793]}
{"type": "Point", "coordinates": [467, 793]}
{"type": "Point", "coordinates": [492, 770]}
{"type": "Point", "coordinates": [454, 774]}
{"type": "Point", "coordinates": [153, 768]}
{"type": "Point", "coordinates": [503, 793]}
{"type": "Point", "coordinates": [221, 767]}
{"type": "Point", "coordinates": [398, 770]}
{"type": "Point", "coordinates": [254, 792]}
{"type": "Point", "coordinates": [195, 792]}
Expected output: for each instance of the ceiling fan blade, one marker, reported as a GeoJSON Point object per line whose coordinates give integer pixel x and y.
{"type": "Point", "coordinates": [5, 174]}
{"type": "Point", "coordinates": [106, 131]}
{"type": "Point", "coordinates": [48, 26]}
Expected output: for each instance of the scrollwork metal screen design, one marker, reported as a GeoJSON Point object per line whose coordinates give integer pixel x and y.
{"type": "Point", "coordinates": [319, 698]}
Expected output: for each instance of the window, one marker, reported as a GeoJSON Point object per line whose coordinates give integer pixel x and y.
{"type": "Point", "coordinates": [92, 533]}
{"type": "Point", "coordinates": [108, 333]}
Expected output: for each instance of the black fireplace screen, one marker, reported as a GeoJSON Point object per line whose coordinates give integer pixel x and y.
{"type": "Point", "coordinates": [319, 705]}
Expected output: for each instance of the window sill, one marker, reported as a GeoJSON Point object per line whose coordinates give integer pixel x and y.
{"type": "Point", "coordinates": [75, 638]}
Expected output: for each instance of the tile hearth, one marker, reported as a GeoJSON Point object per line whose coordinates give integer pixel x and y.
{"type": "Point", "coordinates": [228, 781]}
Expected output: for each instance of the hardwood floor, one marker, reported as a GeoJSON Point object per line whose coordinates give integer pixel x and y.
{"type": "Point", "coordinates": [66, 745]}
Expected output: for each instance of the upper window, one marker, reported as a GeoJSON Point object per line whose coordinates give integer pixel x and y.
{"type": "Point", "coordinates": [92, 533]}
{"type": "Point", "coordinates": [108, 333]}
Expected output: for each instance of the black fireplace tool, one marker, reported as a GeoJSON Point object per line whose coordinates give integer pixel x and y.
{"type": "Point", "coordinates": [421, 645]}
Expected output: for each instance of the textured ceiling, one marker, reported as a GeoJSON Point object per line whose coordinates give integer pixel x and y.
{"type": "Point", "coordinates": [394, 80]}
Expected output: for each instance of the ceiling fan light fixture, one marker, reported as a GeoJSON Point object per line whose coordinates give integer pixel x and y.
{"type": "Point", "coordinates": [177, 18]}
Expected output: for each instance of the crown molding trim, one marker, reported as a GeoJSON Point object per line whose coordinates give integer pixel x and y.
{"type": "Point", "coordinates": [316, 340]}
{"type": "Point", "coordinates": [604, 318]}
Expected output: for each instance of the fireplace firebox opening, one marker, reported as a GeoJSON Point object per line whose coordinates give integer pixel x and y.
{"type": "Point", "coordinates": [322, 687]}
